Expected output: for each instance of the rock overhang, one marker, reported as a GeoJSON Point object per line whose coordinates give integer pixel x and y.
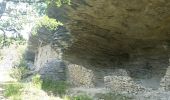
{"type": "Point", "coordinates": [105, 30]}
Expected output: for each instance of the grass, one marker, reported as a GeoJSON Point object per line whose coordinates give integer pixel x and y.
{"type": "Point", "coordinates": [13, 90]}
{"type": "Point", "coordinates": [55, 87]}
{"type": "Point", "coordinates": [81, 97]}
{"type": "Point", "coordinates": [15, 97]}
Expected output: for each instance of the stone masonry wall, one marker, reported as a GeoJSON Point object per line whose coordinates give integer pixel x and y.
{"type": "Point", "coordinates": [80, 76]}
{"type": "Point", "coordinates": [165, 82]}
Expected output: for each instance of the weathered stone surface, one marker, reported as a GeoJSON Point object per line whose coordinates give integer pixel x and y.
{"type": "Point", "coordinates": [115, 32]}
{"type": "Point", "coordinates": [54, 70]}
{"type": "Point", "coordinates": [49, 64]}
{"type": "Point", "coordinates": [44, 54]}
{"type": "Point", "coordinates": [132, 35]}
{"type": "Point", "coordinates": [80, 76]}
{"type": "Point", "coordinates": [165, 82]}
{"type": "Point", "coordinates": [121, 82]}
{"type": "Point", "coordinates": [121, 44]}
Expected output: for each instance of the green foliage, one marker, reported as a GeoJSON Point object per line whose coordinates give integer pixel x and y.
{"type": "Point", "coordinates": [36, 80]}
{"type": "Point", "coordinates": [15, 20]}
{"type": "Point", "coordinates": [40, 8]}
{"type": "Point", "coordinates": [17, 40]}
{"type": "Point", "coordinates": [17, 17]}
{"type": "Point", "coordinates": [20, 70]}
{"type": "Point", "coordinates": [81, 97]}
{"type": "Point", "coordinates": [11, 40]}
{"type": "Point", "coordinates": [58, 3]}
{"type": "Point", "coordinates": [12, 89]}
{"type": "Point", "coordinates": [50, 86]}
{"type": "Point", "coordinates": [22, 62]}
{"type": "Point", "coordinates": [18, 73]}
{"type": "Point", "coordinates": [16, 97]}
{"type": "Point", "coordinates": [47, 23]}
{"type": "Point", "coordinates": [113, 96]}
{"type": "Point", "coordinates": [55, 87]}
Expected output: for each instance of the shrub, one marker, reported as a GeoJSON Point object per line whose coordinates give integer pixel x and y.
{"type": "Point", "coordinates": [12, 89]}
{"type": "Point", "coordinates": [22, 62]}
{"type": "Point", "coordinates": [18, 73]}
{"type": "Point", "coordinates": [45, 22]}
{"type": "Point", "coordinates": [36, 80]}
{"type": "Point", "coordinates": [20, 70]}
{"type": "Point", "coordinates": [58, 3]}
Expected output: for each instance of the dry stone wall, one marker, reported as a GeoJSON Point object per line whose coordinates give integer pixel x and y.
{"type": "Point", "coordinates": [165, 82]}
{"type": "Point", "coordinates": [122, 84]}
{"type": "Point", "coordinates": [80, 76]}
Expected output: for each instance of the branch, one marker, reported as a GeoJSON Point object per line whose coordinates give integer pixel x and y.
{"type": "Point", "coordinates": [2, 30]}
{"type": "Point", "coordinates": [14, 29]}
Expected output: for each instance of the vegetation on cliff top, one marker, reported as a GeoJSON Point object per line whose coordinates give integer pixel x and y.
{"type": "Point", "coordinates": [58, 2]}
{"type": "Point", "coordinates": [45, 22]}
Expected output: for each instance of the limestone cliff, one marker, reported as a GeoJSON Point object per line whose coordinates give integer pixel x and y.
{"type": "Point", "coordinates": [108, 30]}
{"type": "Point", "coordinates": [123, 38]}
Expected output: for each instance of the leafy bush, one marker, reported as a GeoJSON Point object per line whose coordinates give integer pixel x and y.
{"type": "Point", "coordinates": [20, 70]}
{"type": "Point", "coordinates": [22, 62]}
{"type": "Point", "coordinates": [55, 87]}
{"type": "Point", "coordinates": [48, 23]}
{"type": "Point", "coordinates": [36, 80]}
{"type": "Point", "coordinates": [18, 73]}
{"type": "Point", "coordinates": [58, 3]}
{"type": "Point", "coordinates": [13, 89]}
{"type": "Point", "coordinates": [11, 40]}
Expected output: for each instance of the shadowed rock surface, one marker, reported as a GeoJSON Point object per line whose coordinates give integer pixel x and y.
{"type": "Point", "coordinates": [116, 31]}
{"type": "Point", "coordinates": [118, 34]}
{"type": "Point", "coordinates": [107, 38]}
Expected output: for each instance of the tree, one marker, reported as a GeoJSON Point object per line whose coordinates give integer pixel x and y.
{"type": "Point", "coordinates": [16, 16]}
